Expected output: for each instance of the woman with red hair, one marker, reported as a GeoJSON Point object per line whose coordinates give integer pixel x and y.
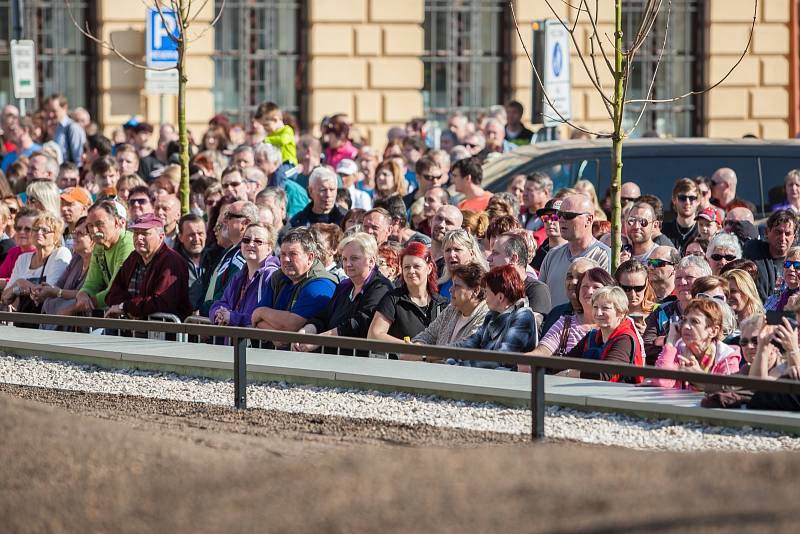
{"type": "Point", "coordinates": [509, 326]}
{"type": "Point", "coordinates": [409, 309]}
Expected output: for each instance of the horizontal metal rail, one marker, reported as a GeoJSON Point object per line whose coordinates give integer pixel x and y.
{"type": "Point", "coordinates": [239, 335]}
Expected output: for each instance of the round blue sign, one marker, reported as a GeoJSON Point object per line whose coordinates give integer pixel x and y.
{"type": "Point", "coordinates": [558, 60]}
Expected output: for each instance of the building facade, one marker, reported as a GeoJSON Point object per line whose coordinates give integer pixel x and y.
{"type": "Point", "coordinates": [383, 62]}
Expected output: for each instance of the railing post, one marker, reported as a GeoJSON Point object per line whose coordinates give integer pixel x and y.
{"type": "Point", "coordinates": [240, 372]}
{"type": "Point", "coordinates": [537, 403]}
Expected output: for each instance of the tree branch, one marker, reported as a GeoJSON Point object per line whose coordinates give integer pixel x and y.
{"type": "Point", "coordinates": [593, 22]}
{"type": "Point", "coordinates": [157, 5]}
{"type": "Point", "coordinates": [212, 24]}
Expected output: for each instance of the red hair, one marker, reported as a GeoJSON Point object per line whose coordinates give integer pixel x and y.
{"type": "Point", "coordinates": [505, 280]}
{"type": "Point", "coordinates": [417, 249]}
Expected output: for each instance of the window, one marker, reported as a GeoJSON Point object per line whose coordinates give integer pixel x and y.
{"type": "Point", "coordinates": [62, 52]}
{"type": "Point", "coordinates": [681, 70]}
{"type": "Point", "coordinates": [256, 56]}
{"type": "Point", "coordinates": [465, 42]}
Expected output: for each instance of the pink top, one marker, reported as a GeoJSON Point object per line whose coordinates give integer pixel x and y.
{"type": "Point", "coordinates": [334, 156]}
{"type": "Point", "coordinates": [11, 259]}
{"type": "Point", "coordinates": [726, 362]}
{"type": "Point", "coordinates": [553, 336]}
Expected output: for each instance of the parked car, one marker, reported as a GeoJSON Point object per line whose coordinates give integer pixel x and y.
{"type": "Point", "coordinates": [655, 164]}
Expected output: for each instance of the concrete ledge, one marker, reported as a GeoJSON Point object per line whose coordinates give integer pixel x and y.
{"type": "Point", "coordinates": [215, 361]}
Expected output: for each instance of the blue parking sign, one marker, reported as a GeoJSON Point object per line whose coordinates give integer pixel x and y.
{"type": "Point", "coordinates": [161, 49]}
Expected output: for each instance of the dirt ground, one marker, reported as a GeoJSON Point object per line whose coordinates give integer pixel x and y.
{"type": "Point", "coordinates": [77, 462]}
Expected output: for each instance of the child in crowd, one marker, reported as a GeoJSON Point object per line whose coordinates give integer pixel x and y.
{"type": "Point", "coordinates": [279, 134]}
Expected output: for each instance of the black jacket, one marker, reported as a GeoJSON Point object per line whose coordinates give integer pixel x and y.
{"type": "Point", "coordinates": [758, 252]}
{"type": "Point", "coordinates": [407, 318]}
{"type": "Point", "coordinates": [307, 217]}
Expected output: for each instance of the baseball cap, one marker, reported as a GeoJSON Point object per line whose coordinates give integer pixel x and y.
{"type": "Point", "coordinates": [147, 221]}
{"type": "Point", "coordinates": [552, 206]}
{"type": "Point", "coordinates": [347, 167]}
{"type": "Point", "coordinates": [76, 194]}
{"type": "Point", "coordinates": [133, 122]}
{"type": "Point", "coordinates": [711, 214]}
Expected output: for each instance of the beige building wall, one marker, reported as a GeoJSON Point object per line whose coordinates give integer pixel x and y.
{"type": "Point", "coordinates": [364, 60]}
{"type": "Point", "coordinates": [754, 99]}
{"type": "Point", "coordinates": [121, 86]}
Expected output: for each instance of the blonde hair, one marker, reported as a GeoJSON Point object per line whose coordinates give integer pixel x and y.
{"type": "Point", "coordinates": [748, 288]}
{"type": "Point", "coordinates": [613, 294]}
{"type": "Point", "coordinates": [364, 240]}
{"type": "Point", "coordinates": [476, 223]}
{"type": "Point", "coordinates": [53, 221]}
{"type": "Point", "coordinates": [400, 183]}
{"type": "Point", "coordinates": [47, 193]}
{"type": "Point", "coordinates": [272, 235]}
{"type": "Point", "coordinates": [463, 238]}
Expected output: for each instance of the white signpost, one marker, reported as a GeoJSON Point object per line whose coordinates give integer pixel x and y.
{"type": "Point", "coordinates": [161, 52]}
{"type": "Point", "coordinates": [23, 70]}
{"type": "Point", "coordinates": [556, 77]}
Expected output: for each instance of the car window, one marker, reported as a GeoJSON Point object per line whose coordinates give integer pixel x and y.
{"type": "Point", "coordinates": [773, 171]}
{"type": "Point", "coordinates": [567, 173]}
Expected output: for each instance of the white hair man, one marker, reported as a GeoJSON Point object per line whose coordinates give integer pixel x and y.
{"type": "Point", "coordinates": [322, 186]}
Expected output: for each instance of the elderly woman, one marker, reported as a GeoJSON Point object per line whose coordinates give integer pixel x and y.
{"type": "Point", "coordinates": [722, 249]}
{"type": "Point", "coordinates": [352, 306]}
{"type": "Point", "coordinates": [44, 265]}
{"type": "Point", "coordinates": [44, 196]}
{"type": "Point", "coordinates": [243, 293]}
{"type": "Point", "coordinates": [463, 316]}
{"type": "Point", "coordinates": [615, 339]}
{"type": "Point", "coordinates": [632, 277]}
{"type": "Point", "coordinates": [389, 180]}
{"type": "Point", "coordinates": [742, 294]}
{"type": "Point", "coordinates": [460, 248]}
{"type": "Point", "coordinates": [791, 282]}
{"type": "Point", "coordinates": [510, 325]}
{"type": "Point", "coordinates": [696, 345]}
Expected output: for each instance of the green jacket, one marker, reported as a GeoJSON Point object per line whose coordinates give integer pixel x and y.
{"type": "Point", "coordinates": [283, 138]}
{"type": "Point", "coordinates": [103, 267]}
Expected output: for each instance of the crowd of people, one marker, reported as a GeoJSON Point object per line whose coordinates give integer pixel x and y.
{"type": "Point", "coordinates": [394, 241]}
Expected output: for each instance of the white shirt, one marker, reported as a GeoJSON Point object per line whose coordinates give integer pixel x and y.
{"type": "Point", "coordinates": [360, 199]}
{"type": "Point", "coordinates": [56, 264]}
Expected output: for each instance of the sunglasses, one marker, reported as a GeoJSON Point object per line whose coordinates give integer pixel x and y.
{"type": "Point", "coordinates": [430, 177]}
{"type": "Point", "coordinates": [42, 230]}
{"type": "Point", "coordinates": [229, 215]}
{"type": "Point", "coordinates": [23, 228]}
{"type": "Point", "coordinates": [138, 201]}
{"type": "Point", "coordinates": [641, 220]}
{"type": "Point", "coordinates": [704, 192]}
{"type": "Point", "coordinates": [720, 298]}
{"type": "Point", "coordinates": [471, 145]}
{"type": "Point", "coordinates": [791, 264]}
{"type": "Point", "coordinates": [726, 257]}
{"type": "Point", "coordinates": [628, 199]}
{"type": "Point", "coordinates": [687, 198]}
{"type": "Point", "coordinates": [748, 341]}
{"type": "Point", "coordinates": [636, 289]}
{"type": "Point", "coordinates": [569, 215]}
{"type": "Point", "coordinates": [547, 217]}
{"type": "Point", "coordinates": [655, 263]}
{"type": "Point", "coordinates": [698, 253]}
{"type": "Point", "coordinates": [256, 242]}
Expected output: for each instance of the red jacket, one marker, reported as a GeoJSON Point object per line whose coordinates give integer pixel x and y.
{"type": "Point", "coordinates": [165, 287]}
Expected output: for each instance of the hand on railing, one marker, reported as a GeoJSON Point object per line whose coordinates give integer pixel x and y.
{"type": "Point", "coordinates": [305, 347]}
{"type": "Point", "coordinates": [222, 317]}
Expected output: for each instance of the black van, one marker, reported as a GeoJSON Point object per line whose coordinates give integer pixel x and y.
{"type": "Point", "coordinates": [655, 164]}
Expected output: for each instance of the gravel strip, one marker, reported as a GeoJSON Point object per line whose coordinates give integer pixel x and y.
{"type": "Point", "coordinates": [561, 423]}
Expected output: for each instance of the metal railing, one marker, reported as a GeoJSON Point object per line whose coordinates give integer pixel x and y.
{"type": "Point", "coordinates": [240, 337]}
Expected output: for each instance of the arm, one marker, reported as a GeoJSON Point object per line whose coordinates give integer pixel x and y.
{"type": "Point", "coordinates": [619, 352]}
{"type": "Point", "coordinates": [226, 302]}
{"type": "Point", "coordinates": [549, 343]}
{"type": "Point", "coordinates": [379, 328]}
{"type": "Point", "coordinates": [520, 334]}
{"type": "Point", "coordinates": [269, 319]}
{"type": "Point", "coordinates": [666, 360]}
{"type": "Point", "coordinates": [430, 334]}
{"type": "Point", "coordinates": [359, 323]}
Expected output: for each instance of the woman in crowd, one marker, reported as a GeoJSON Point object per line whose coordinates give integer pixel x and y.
{"type": "Point", "coordinates": [614, 339]}
{"type": "Point", "coordinates": [791, 186]}
{"type": "Point", "coordinates": [745, 265]}
{"type": "Point", "coordinates": [23, 237]}
{"type": "Point", "coordinates": [475, 223]}
{"type": "Point", "coordinates": [407, 310]}
{"type": "Point", "coordinates": [722, 249]}
{"type": "Point", "coordinates": [126, 183]}
{"type": "Point", "coordinates": [791, 282]}
{"type": "Point", "coordinates": [328, 237]}
{"type": "Point", "coordinates": [389, 180]}
{"type": "Point", "coordinates": [460, 248]}
{"type": "Point", "coordinates": [353, 218]}
{"type": "Point", "coordinates": [632, 277]}
{"type": "Point", "coordinates": [44, 196]}
{"type": "Point", "coordinates": [62, 294]}
{"type": "Point", "coordinates": [389, 262]}
{"type": "Point", "coordinates": [742, 294]}
{"type": "Point", "coordinates": [696, 345]}
{"type": "Point", "coordinates": [353, 304]}
{"type": "Point", "coordinates": [44, 265]}
{"type": "Point", "coordinates": [243, 292]}
{"type": "Point", "coordinates": [509, 326]}
{"type": "Point", "coordinates": [717, 289]}
{"type": "Point", "coordinates": [336, 135]}
{"type": "Point", "coordinates": [463, 316]}
{"type": "Point", "coordinates": [697, 247]}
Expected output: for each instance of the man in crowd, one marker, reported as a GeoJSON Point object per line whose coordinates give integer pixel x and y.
{"type": "Point", "coordinates": [309, 154]}
{"type": "Point", "coordinates": [267, 157]}
{"type": "Point", "coordinates": [630, 193]}
{"type": "Point", "coordinates": [322, 185]}
{"type": "Point", "coordinates": [495, 133]}
{"type": "Point", "coordinates": [447, 218]}
{"type": "Point", "coordinates": [153, 280]}
{"type": "Point", "coordinates": [685, 201]}
{"type": "Point", "coordinates": [69, 135]}
{"type": "Point", "coordinates": [459, 124]}
{"type": "Point", "coordinates": [429, 175]}
{"type": "Point", "coordinates": [233, 183]}
{"type": "Point", "coordinates": [42, 167]}
{"type": "Point", "coordinates": [434, 199]}
{"type": "Point", "coordinates": [640, 223]}
{"type": "Point", "coordinates": [68, 176]}
{"type": "Point", "coordinates": [299, 290]}
{"type": "Point", "coordinates": [467, 175]}
{"type": "Point", "coordinates": [20, 131]}
{"type": "Point", "coordinates": [516, 132]}
{"type": "Point", "coordinates": [75, 203]}
{"type": "Point", "coordinates": [377, 223]}
{"type": "Point", "coordinates": [769, 255]}
{"type": "Point", "coordinates": [127, 160]}
{"type": "Point", "coordinates": [105, 174]}
{"type": "Point", "coordinates": [658, 213]}
{"type": "Point", "coordinates": [723, 187]}
{"type": "Point", "coordinates": [575, 222]}
{"type": "Point", "coordinates": [191, 242]}
{"type": "Point", "coordinates": [538, 190]}
{"type": "Point", "coordinates": [106, 222]}
{"type": "Point", "coordinates": [140, 201]}
{"type": "Point", "coordinates": [549, 216]}
{"type": "Point", "coordinates": [97, 146]}
{"type": "Point", "coordinates": [348, 171]}
{"type": "Point", "coordinates": [168, 209]}
{"type": "Point", "coordinates": [661, 271]}
{"type": "Point", "coordinates": [243, 157]}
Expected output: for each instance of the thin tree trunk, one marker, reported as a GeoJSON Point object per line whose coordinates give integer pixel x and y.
{"type": "Point", "coordinates": [183, 137]}
{"type": "Point", "coordinates": [617, 138]}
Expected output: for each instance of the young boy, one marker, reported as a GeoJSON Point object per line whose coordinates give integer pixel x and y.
{"type": "Point", "coordinates": [279, 134]}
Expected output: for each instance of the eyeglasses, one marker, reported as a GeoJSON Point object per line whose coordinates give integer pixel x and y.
{"type": "Point", "coordinates": [699, 253]}
{"type": "Point", "coordinates": [430, 177]}
{"type": "Point", "coordinates": [748, 341]}
{"type": "Point", "coordinates": [569, 215]}
{"type": "Point", "coordinates": [655, 263]}
{"type": "Point", "coordinates": [256, 242]}
{"type": "Point", "coordinates": [720, 298]}
{"type": "Point", "coordinates": [789, 264]}
{"type": "Point", "coordinates": [641, 220]}
{"type": "Point", "coordinates": [231, 215]}
{"type": "Point", "coordinates": [42, 230]}
{"type": "Point", "coordinates": [636, 289]}
{"type": "Point", "coordinates": [138, 201]}
{"type": "Point", "coordinates": [726, 257]}
{"type": "Point", "coordinates": [547, 217]}
{"type": "Point", "coordinates": [687, 198]}
{"type": "Point", "coordinates": [22, 228]}
{"type": "Point", "coordinates": [470, 145]}
{"type": "Point", "coordinates": [232, 185]}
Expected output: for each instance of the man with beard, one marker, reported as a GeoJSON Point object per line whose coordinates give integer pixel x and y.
{"type": "Point", "coordinates": [640, 223]}
{"type": "Point", "coordinates": [769, 255]}
{"type": "Point", "coordinates": [447, 218]}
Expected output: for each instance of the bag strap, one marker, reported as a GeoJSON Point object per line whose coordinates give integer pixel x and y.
{"type": "Point", "coordinates": [562, 342]}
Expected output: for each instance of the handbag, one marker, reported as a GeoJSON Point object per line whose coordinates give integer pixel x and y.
{"type": "Point", "coordinates": [561, 350]}
{"type": "Point", "coordinates": [25, 303]}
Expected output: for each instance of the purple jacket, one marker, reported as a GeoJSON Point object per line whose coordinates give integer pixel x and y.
{"type": "Point", "coordinates": [242, 308]}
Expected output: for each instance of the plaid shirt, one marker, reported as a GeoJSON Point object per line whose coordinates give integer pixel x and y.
{"type": "Point", "coordinates": [135, 285]}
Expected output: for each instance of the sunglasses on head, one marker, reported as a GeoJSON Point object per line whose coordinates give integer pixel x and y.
{"type": "Point", "coordinates": [720, 257]}
{"type": "Point", "coordinates": [720, 298]}
{"type": "Point", "coordinates": [569, 215]}
{"type": "Point", "coordinates": [656, 263]}
{"type": "Point", "coordinates": [791, 264]}
{"type": "Point", "coordinates": [636, 289]}
{"type": "Point", "coordinates": [687, 198]}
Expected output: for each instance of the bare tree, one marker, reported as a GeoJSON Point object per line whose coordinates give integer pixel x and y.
{"type": "Point", "coordinates": [186, 14]}
{"type": "Point", "coordinates": [611, 53]}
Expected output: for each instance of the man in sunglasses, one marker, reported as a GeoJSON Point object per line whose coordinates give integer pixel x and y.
{"type": "Point", "coordinates": [535, 196]}
{"type": "Point", "coordinates": [429, 175]}
{"type": "Point", "coordinates": [549, 217]}
{"type": "Point", "coordinates": [769, 255]}
{"type": "Point", "coordinates": [640, 224]}
{"type": "Point", "coordinates": [661, 272]}
{"type": "Point", "coordinates": [575, 222]}
{"type": "Point", "coordinates": [685, 202]}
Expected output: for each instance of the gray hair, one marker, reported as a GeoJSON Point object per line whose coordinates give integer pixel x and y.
{"type": "Point", "coordinates": [250, 211]}
{"type": "Point", "coordinates": [542, 181]}
{"type": "Point", "coordinates": [698, 263]}
{"type": "Point", "coordinates": [515, 244]}
{"type": "Point", "coordinates": [268, 151]}
{"type": "Point", "coordinates": [243, 148]}
{"type": "Point", "coordinates": [305, 238]}
{"type": "Point", "coordinates": [321, 174]}
{"type": "Point", "coordinates": [364, 240]}
{"type": "Point", "coordinates": [724, 240]}
{"type": "Point", "coordinates": [254, 174]}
